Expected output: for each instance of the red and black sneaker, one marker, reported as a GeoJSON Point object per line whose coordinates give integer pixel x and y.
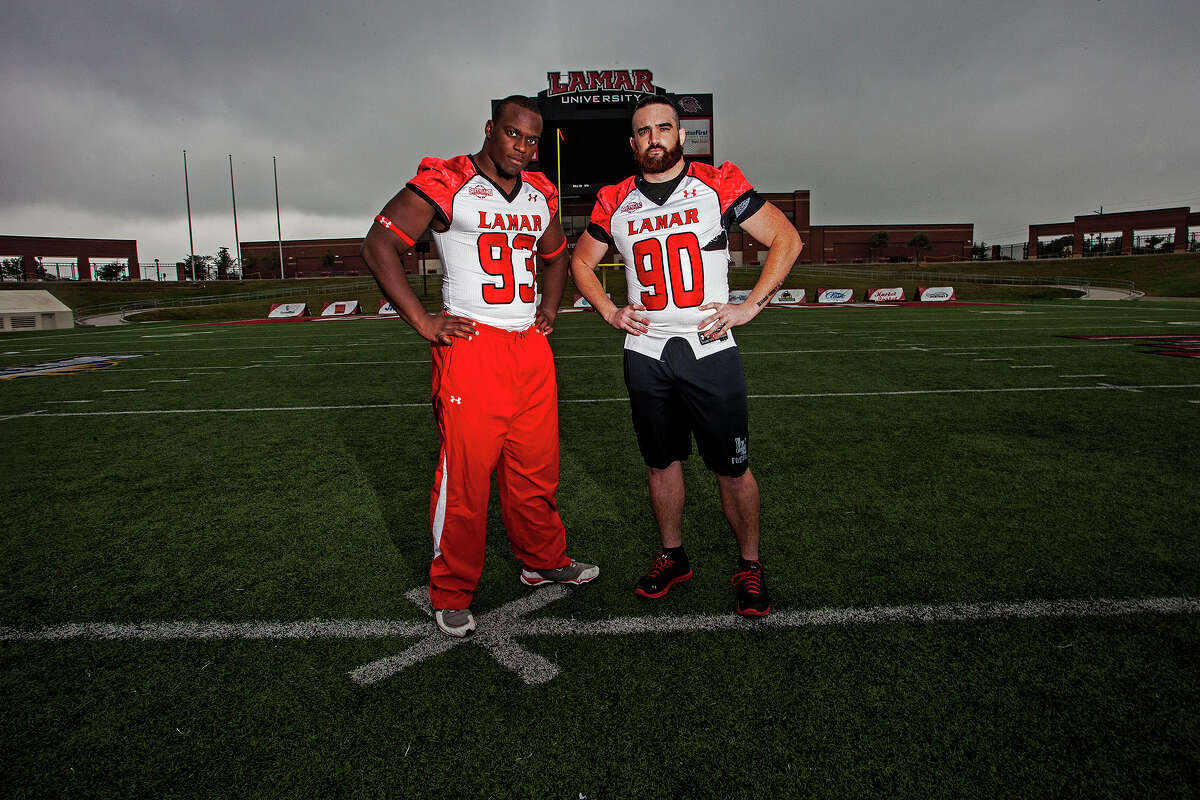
{"type": "Point", "coordinates": [665, 573]}
{"type": "Point", "coordinates": [752, 597]}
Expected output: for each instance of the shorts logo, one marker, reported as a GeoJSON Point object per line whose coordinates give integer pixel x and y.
{"type": "Point", "coordinates": [456, 400]}
{"type": "Point", "coordinates": [739, 447]}
{"type": "Point", "coordinates": [630, 207]}
{"type": "Point", "coordinates": [706, 339]}
{"type": "Point", "coordinates": [479, 190]}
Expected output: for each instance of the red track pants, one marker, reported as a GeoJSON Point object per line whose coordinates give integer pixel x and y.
{"type": "Point", "coordinates": [496, 404]}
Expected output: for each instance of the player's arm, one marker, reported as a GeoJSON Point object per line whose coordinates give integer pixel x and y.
{"type": "Point", "coordinates": [403, 219]}
{"type": "Point", "coordinates": [769, 226]}
{"type": "Point", "coordinates": [552, 248]}
{"type": "Point", "coordinates": [588, 252]}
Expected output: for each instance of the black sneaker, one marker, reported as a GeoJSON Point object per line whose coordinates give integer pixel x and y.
{"type": "Point", "coordinates": [665, 573]}
{"type": "Point", "coordinates": [752, 597]}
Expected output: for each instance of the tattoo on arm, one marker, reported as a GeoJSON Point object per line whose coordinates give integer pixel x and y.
{"type": "Point", "coordinates": [770, 294]}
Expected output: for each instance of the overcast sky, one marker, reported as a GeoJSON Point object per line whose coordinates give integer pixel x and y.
{"type": "Point", "coordinates": [997, 113]}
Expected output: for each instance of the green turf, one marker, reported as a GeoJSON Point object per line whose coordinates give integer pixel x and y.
{"type": "Point", "coordinates": [869, 499]}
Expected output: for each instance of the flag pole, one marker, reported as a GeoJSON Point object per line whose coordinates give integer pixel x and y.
{"type": "Point", "coordinates": [187, 193]}
{"type": "Point", "coordinates": [233, 195]}
{"type": "Point", "coordinates": [278, 223]}
{"type": "Point", "coordinates": [558, 140]}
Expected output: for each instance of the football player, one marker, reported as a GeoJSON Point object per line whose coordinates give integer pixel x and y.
{"type": "Point", "coordinates": [670, 223]}
{"type": "Point", "coordinates": [495, 397]}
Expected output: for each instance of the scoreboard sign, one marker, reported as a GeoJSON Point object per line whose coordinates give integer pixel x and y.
{"type": "Point", "coordinates": [586, 115]}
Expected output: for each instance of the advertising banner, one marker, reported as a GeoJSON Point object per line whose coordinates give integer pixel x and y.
{"type": "Point", "coordinates": [284, 310]}
{"type": "Point", "coordinates": [835, 295]}
{"type": "Point", "coordinates": [892, 295]}
{"type": "Point", "coordinates": [340, 308]}
{"type": "Point", "coordinates": [936, 294]}
{"type": "Point", "coordinates": [787, 297]}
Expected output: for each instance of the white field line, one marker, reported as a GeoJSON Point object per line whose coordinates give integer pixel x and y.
{"type": "Point", "coordinates": [1031, 366]}
{"type": "Point", "coordinates": [1090, 375]}
{"type": "Point", "coordinates": [122, 390]}
{"type": "Point", "coordinates": [499, 627]}
{"type": "Point", "coordinates": [617, 353]}
{"type": "Point", "coordinates": [806, 396]}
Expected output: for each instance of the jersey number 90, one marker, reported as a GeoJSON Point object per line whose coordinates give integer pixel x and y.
{"type": "Point", "coordinates": [648, 260]}
{"type": "Point", "coordinates": [496, 258]}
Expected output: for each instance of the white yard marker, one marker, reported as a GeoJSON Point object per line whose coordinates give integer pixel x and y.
{"type": "Point", "coordinates": [500, 627]}
{"type": "Point", "coordinates": [1099, 387]}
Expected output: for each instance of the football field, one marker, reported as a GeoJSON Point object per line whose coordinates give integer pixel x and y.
{"type": "Point", "coordinates": [979, 531]}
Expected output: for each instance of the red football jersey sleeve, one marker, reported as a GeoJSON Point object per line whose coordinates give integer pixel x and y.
{"type": "Point", "coordinates": [608, 199]}
{"type": "Point", "coordinates": [438, 179]}
{"type": "Point", "coordinates": [726, 180]}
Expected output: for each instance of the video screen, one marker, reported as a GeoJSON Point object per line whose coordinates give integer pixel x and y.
{"type": "Point", "coordinates": [594, 153]}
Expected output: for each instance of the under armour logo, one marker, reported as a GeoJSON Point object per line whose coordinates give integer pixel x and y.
{"type": "Point", "coordinates": [689, 193]}
{"type": "Point", "coordinates": [457, 400]}
{"type": "Point", "coordinates": [533, 198]}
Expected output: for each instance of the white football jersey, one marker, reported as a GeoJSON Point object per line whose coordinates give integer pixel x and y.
{"type": "Point", "coordinates": [489, 247]}
{"type": "Point", "coordinates": [676, 253]}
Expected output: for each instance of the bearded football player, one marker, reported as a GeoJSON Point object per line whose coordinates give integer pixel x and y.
{"type": "Point", "coordinates": [670, 224]}
{"type": "Point", "coordinates": [495, 397]}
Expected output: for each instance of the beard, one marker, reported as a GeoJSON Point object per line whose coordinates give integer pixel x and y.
{"type": "Point", "coordinates": [660, 162]}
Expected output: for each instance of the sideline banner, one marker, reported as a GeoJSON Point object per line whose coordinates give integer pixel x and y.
{"type": "Point", "coordinates": [835, 295]}
{"type": "Point", "coordinates": [341, 308]}
{"type": "Point", "coordinates": [885, 295]}
{"type": "Point", "coordinates": [385, 309]}
{"type": "Point", "coordinates": [738, 296]}
{"type": "Point", "coordinates": [581, 301]}
{"type": "Point", "coordinates": [935, 294]}
{"type": "Point", "coordinates": [284, 310]}
{"type": "Point", "coordinates": [786, 297]}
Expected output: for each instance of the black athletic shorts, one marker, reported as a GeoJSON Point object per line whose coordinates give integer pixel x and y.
{"type": "Point", "coordinates": [679, 396]}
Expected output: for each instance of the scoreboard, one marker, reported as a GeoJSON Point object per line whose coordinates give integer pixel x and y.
{"type": "Point", "coordinates": [586, 125]}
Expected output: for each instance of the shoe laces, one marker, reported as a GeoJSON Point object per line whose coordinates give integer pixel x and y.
{"type": "Point", "coordinates": [750, 579]}
{"type": "Point", "coordinates": [662, 563]}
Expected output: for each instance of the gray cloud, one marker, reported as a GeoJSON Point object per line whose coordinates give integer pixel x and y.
{"type": "Point", "coordinates": [1000, 114]}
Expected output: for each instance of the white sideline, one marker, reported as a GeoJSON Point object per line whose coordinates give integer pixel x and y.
{"type": "Point", "coordinates": [499, 627]}
{"type": "Point", "coordinates": [1103, 387]}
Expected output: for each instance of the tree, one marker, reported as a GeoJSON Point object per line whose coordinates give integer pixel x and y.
{"type": "Point", "coordinates": [979, 250]}
{"type": "Point", "coordinates": [328, 260]}
{"type": "Point", "coordinates": [224, 263]}
{"type": "Point", "coordinates": [112, 271]}
{"type": "Point", "coordinates": [918, 243]}
{"type": "Point", "coordinates": [199, 271]}
{"type": "Point", "coordinates": [12, 268]}
{"type": "Point", "coordinates": [877, 242]}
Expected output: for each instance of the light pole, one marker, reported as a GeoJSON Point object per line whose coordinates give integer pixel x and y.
{"type": "Point", "coordinates": [191, 244]}
{"type": "Point", "coordinates": [278, 223]}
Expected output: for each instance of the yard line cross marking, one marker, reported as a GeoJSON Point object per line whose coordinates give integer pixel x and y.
{"type": "Point", "coordinates": [501, 626]}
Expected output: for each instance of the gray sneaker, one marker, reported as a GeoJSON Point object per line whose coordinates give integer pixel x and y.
{"type": "Point", "coordinates": [574, 573]}
{"type": "Point", "coordinates": [455, 622]}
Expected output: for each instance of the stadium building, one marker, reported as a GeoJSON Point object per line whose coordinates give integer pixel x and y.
{"type": "Point", "coordinates": [584, 140]}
